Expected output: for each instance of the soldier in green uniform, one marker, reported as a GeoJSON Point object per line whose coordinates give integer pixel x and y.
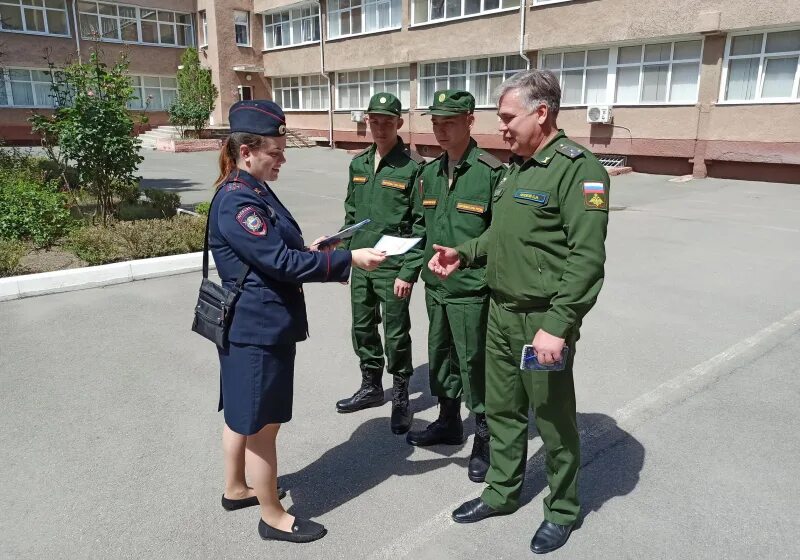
{"type": "Point", "coordinates": [546, 254]}
{"type": "Point", "coordinates": [453, 205]}
{"type": "Point", "coordinates": [380, 188]}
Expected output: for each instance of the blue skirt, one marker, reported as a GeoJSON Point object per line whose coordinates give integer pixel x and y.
{"type": "Point", "coordinates": [256, 385]}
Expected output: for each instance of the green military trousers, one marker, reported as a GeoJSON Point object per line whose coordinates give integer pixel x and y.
{"type": "Point", "coordinates": [457, 349]}
{"type": "Point", "coordinates": [371, 294]}
{"type": "Point", "coordinates": [510, 394]}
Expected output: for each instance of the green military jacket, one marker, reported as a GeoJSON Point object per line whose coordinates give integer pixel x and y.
{"type": "Point", "coordinates": [545, 247]}
{"type": "Point", "coordinates": [449, 214]}
{"type": "Point", "coordinates": [385, 196]}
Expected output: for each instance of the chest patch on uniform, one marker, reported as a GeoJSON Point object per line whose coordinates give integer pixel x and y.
{"type": "Point", "coordinates": [531, 197]}
{"type": "Point", "coordinates": [429, 202]}
{"type": "Point", "coordinates": [359, 179]}
{"type": "Point", "coordinates": [594, 195]}
{"type": "Point", "coordinates": [252, 221]}
{"type": "Point", "coordinates": [470, 207]}
{"type": "Point", "coordinates": [393, 184]}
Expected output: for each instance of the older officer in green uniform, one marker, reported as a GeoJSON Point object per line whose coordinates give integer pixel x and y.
{"type": "Point", "coordinates": [380, 188]}
{"type": "Point", "coordinates": [453, 205]}
{"type": "Point", "coordinates": [546, 253]}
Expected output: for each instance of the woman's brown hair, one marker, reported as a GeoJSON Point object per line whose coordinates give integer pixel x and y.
{"type": "Point", "coordinates": [229, 154]}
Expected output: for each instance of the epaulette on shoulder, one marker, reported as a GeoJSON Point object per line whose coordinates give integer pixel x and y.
{"type": "Point", "coordinates": [569, 150]}
{"type": "Point", "coordinates": [415, 156]}
{"type": "Point", "coordinates": [362, 152]}
{"type": "Point", "coordinates": [490, 160]}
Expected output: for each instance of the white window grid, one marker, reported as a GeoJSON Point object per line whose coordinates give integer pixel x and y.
{"type": "Point", "coordinates": [479, 76]}
{"type": "Point", "coordinates": [354, 88]}
{"type": "Point", "coordinates": [354, 17]}
{"type": "Point", "coordinates": [154, 93]}
{"type": "Point", "coordinates": [25, 87]}
{"type": "Point", "coordinates": [40, 17]}
{"type": "Point", "coordinates": [301, 93]}
{"type": "Point", "coordinates": [203, 28]}
{"type": "Point", "coordinates": [298, 26]}
{"type": "Point", "coordinates": [759, 71]}
{"type": "Point", "coordinates": [241, 28]}
{"type": "Point", "coordinates": [133, 24]}
{"type": "Point", "coordinates": [430, 11]}
{"type": "Point", "coordinates": [668, 62]}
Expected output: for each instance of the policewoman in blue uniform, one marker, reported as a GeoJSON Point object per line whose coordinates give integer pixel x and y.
{"type": "Point", "coordinates": [252, 233]}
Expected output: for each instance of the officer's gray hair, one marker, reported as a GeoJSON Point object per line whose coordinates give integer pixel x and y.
{"type": "Point", "coordinates": [537, 87]}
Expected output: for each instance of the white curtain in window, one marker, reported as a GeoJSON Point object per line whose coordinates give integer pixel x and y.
{"type": "Point", "coordinates": [683, 86]}
{"type": "Point", "coordinates": [596, 85]}
{"type": "Point", "coordinates": [654, 83]}
{"type": "Point", "coordinates": [779, 77]}
{"type": "Point", "coordinates": [628, 84]}
{"type": "Point", "coordinates": [742, 79]}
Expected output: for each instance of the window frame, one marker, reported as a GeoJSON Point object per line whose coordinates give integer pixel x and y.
{"type": "Point", "coordinates": [5, 83]}
{"type": "Point", "coordinates": [499, 10]}
{"type": "Point", "coordinates": [613, 67]}
{"type": "Point", "coordinates": [301, 87]}
{"type": "Point", "coordinates": [248, 29]}
{"type": "Point", "coordinates": [372, 87]}
{"type": "Point", "coordinates": [398, 4]}
{"type": "Point", "coordinates": [762, 57]}
{"type": "Point", "coordinates": [44, 9]}
{"type": "Point", "coordinates": [469, 74]}
{"type": "Point", "coordinates": [141, 90]}
{"type": "Point", "coordinates": [203, 31]}
{"type": "Point", "coordinates": [139, 19]}
{"type": "Point", "coordinates": [314, 17]}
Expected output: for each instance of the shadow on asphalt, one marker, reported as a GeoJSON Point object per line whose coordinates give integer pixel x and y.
{"type": "Point", "coordinates": [170, 184]}
{"type": "Point", "coordinates": [611, 460]}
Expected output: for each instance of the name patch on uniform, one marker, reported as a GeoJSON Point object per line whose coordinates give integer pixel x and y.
{"type": "Point", "coordinates": [429, 202]}
{"type": "Point", "coordinates": [531, 197]}
{"type": "Point", "coordinates": [471, 208]}
{"type": "Point", "coordinates": [359, 179]}
{"type": "Point", "coordinates": [594, 195]}
{"type": "Point", "coordinates": [252, 221]}
{"type": "Point", "coordinates": [393, 184]}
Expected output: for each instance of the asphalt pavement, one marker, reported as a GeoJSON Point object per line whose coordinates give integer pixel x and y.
{"type": "Point", "coordinates": [687, 380]}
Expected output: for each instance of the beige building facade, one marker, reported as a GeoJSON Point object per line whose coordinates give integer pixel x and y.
{"type": "Point", "coordinates": [703, 87]}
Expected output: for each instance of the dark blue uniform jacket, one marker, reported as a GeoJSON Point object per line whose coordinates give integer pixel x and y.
{"type": "Point", "coordinates": [248, 224]}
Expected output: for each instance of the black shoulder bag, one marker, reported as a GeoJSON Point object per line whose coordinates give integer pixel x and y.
{"type": "Point", "coordinates": [214, 310]}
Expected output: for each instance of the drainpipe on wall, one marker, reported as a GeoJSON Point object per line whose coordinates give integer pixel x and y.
{"type": "Point", "coordinates": [523, 7]}
{"type": "Point", "coordinates": [77, 30]}
{"type": "Point", "coordinates": [322, 70]}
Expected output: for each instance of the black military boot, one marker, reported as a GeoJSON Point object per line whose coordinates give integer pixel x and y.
{"type": "Point", "coordinates": [368, 395]}
{"type": "Point", "coordinates": [445, 429]}
{"type": "Point", "coordinates": [479, 459]}
{"type": "Point", "coordinates": [401, 411]}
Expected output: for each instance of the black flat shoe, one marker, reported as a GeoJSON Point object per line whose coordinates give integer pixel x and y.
{"type": "Point", "coordinates": [232, 505]}
{"type": "Point", "coordinates": [303, 531]}
{"type": "Point", "coordinates": [474, 511]}
{"type": "Point", "coordinates": [549, 537]}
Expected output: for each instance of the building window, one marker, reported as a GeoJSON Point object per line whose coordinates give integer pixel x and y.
{"type": "Point", "coordinates": [132, 24]}
{"type": "Point", "coordinates": [291, 27]}
{"type": "Point", "coordinates": [241, 24]}
{"type": "Point", "coordinates": [47, 17]}
{"type": "Point", "coordinates": [203, 29]}
{"type": "Point", "coordinates": [21, 87]}
{"type": "Point", "coordinates": [351, 17]}
{"type": "Point", "coordinates": [424, 11]}
{"type": "Point", "coordinates": [245, 93]}
{"type": "Point", "coordinates": [353, 89]}
{"type": "Point", "coordinates": [479, 76]}
{"type": "Point", "coordinates": [762, 67]}
{"type": "Point", "coordinates": [154, 93]}
{"type": "Point", "coordinates": [628, 75]}
{"type": "Point", "coordinates": [308, 93]}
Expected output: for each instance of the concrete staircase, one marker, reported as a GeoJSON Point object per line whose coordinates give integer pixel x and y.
{"type": "Point", "coordinates": [149, 138]}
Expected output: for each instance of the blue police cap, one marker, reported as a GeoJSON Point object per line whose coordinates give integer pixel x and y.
{"type": "Point", "coordinates": [257, 117]}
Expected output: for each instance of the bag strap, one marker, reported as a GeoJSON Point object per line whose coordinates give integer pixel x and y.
{"type": "Point", "coordinates": [245, 267]}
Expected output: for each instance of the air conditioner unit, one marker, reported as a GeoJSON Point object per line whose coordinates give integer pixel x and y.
{"type": "Point", "coordinates": [357, 116]}
{"type": "Point", "coordinates": [599, 114]}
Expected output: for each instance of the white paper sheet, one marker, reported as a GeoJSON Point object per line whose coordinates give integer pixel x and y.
{"type": "Point", "coordinates": [396, 245]}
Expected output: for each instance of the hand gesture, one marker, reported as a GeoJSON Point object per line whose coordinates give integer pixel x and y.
{"type": "Point", "coordinates": [402, 289]}
{"type": "Point", "coordinates": [327, 248]}
{"type": "Point", "coordinates": [548, 348]}
{"type": "Point", "coordinates": [367, 259]}
{"type": "Point", "coordinates": [444, 261]}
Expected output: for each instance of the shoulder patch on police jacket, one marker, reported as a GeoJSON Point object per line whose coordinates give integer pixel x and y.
{"type": "Point", "coordinates": [253, 222]}
{"type": "Point", "coordinates": [490, 160]}
{"type": "Point", "coordinates": [568, 150]}
{"type": "Point", "coordinates": [362, 152]}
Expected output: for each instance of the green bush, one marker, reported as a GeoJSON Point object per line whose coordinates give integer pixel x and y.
{"type": "Point", "coordinates": [30, 210]}
{"type": "Point", "coordinates": [165, 202]}
{"type": "Point", "coordinates": [202, 208]}
{"type": "Point", "coordinates": [140, 239]}
{"type": "Point", "coordinates": [11, 252]}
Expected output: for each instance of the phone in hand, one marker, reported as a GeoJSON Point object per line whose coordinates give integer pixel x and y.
{"type": "Point", "coordinates": [528, 361]}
